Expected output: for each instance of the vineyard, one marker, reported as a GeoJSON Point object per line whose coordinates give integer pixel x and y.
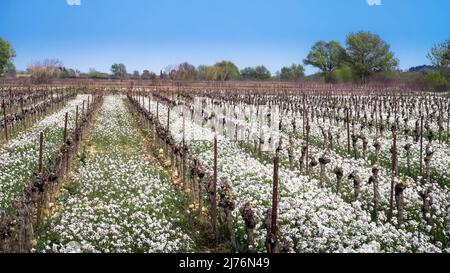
{"type": "Point", "coordinates": [138, 169]}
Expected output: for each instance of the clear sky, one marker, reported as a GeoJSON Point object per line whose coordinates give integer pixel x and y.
{"type": "Point", "coordinates": [151, 34]}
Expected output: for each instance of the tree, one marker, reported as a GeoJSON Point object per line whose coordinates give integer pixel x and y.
{"type": "Point", "coordinates": [248, 73]}
{"type": "Point", "coordinates": [119, 71]}
{"type": "Point", "coordinates": [438, 80]}
{"type": "Point", "coordinates": [147, 75]}
{"type": "Point", "coordinates": [368, 54]}
{"type": "Point", "coordinates": [68, 73]}
{"type": "Point", "coordinates": [341, 75]}
{"type": "Point", "coordinates": [440, 55]}
{"type": "Point", "coordinates": [255, 73]}
{"type": "Point", "coordinates": [209, 72]}
{"type": "Point", "coordinates": [221, 71]}
{"type": "Point", "coordinates": [10, 72]}
{"type": "Point", "coordinates": [183, 71]}
{"type": "Point", "coordinates": [204, 73]}
{"type": "Point", "coordinates": [94, 74]}
{"type": "Point", "coordinates": [136, 74]}
{"type": "Point", "coordinates": [7, 54]}
{"type": "Point", "coordinates": [294, 72]}
{"type": "Point", "coordinates": [43, 72]}
{"type": "Point", "coordinates": [226, 70]}
{"type": "Point", "coordinates": [326, 56]}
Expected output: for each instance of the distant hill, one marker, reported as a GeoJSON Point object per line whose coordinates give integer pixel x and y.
{"type": "Point", "coordinates": [422, 68]}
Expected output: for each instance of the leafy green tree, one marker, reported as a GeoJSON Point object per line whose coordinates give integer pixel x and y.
{"type": "Point", "coordinates": [342, 74]}
{"type": "Point", "coordinates": [438, 80]}
{"type": "Point", "coordinates": [259, 72]}
{"type": "Point", "coordinates": [440, 55]}
{"type": "Point", "coordinates": [326, 56]}
{"type": "Point", "coordinates": [368, 54]}
{"type": "Point", "coordinates": [7, 54]}
{"type": "Point", "coordinates": [147, 75]}
{"type": "Point", "coordinates": [248, 73]}
{"type": "Point", "coordinates": [226, 70]}
{"type": "Point", "coordinates": [119, 71]}
{"type": "Point", "coordinates": [221, 71]}
{"type": "Point", "coordinates": [294, 72]}
{"type": "Point", "coordinates": [208, 73]}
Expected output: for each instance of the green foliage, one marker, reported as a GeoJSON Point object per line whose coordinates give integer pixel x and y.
{"type": "Point", "coordinates": [147, 75]}
{"type": "Point", "coordinates": [10, 71]}
{"type": "Point", "coordinates": [316, 77]}
{"type": "Point", "coordinates": [438, 81]}
{"type": "Point", "coordinates": [440, 55]}
{"type": "Point", "coordinates": [255, 73]}
{"type": "Point", "coordinates": [386, 76]}
{"type": "Point", "coordinates": [94, 74]}
{"type": "Point", "coordinates": [368, 54]}
{"type": "Point", "coordinates": [68, 73]}
{"type": "Point", "coordinates": [342, 74]}
{"type": "Point", "coordinates": [183, 71]}
{"type": "Point", "coordinates": [205, 73]}
{"type": "Point", "coordinates": [227, 70]}
{"type": "Point", "coordinates": [7, 54]}
{"type": "Point", "coordinates": [294, 72]}
{"type": "Point", "coordinates": [119, 71]}
{"type": "Point", "coordinates": [326, 56]}
{"type": "Point", "coordinates": [221, 71]}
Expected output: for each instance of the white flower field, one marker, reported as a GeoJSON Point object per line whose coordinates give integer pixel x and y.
{"type": "Point", "coordinates": [211, 171]}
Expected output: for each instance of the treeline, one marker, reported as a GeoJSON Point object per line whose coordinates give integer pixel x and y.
{"type": "Point", "coordinates": [367, 57]}
{"type": "Point", "coordinates": [226, 70]}
{"type": "Point", "coordinates": [364, 58]}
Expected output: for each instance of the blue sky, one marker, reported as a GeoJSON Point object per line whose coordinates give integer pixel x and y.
{"type": "Point", "coordinates": [151, 34]}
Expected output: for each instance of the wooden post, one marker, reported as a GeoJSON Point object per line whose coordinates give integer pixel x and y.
{"type": "Point", "coordinates": [5, 122]}
{"type": "Point", "coordinates": [65, 126]}
{"type": "Point", "coordinates": [376, 119]}
{"type": "Point", "coordinates": [347, 118]}
{"type": "Point", "coordinates": [421, 145]}
{"type": "Point", "coordinates": [213, 194]}
{"type": "Point", "coordinates": [303, 123]}
{"type": "Point", "coordinates": [22, 113]}
{"type": "Point", "coordinates": [275, 194]}
{"type": "Point", "coordinates": [184, 158]}
{"type": "Point", "coordinates": [307, 128]}
{"type": "Point", "coordinates": [157, 110]}
{"type": "Point", "coordinates": [34, 106]}
{"type": "Point", "coordinates": [399, 198]}
{"type": "Point", "coordinates": [76, 118]}
{"type": "Point", "coordinates": [10, 99]}
{"type": "Point", "coordinates": [168, 118]}
{"type": "Point", "coordinates": [448, 122]}
{"type": "Point", "coordinates": [41, 151]}
{"type": "Point", "coordinates": [184, 131]}
{"type": "Point", "coordinates": [394, 171]}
